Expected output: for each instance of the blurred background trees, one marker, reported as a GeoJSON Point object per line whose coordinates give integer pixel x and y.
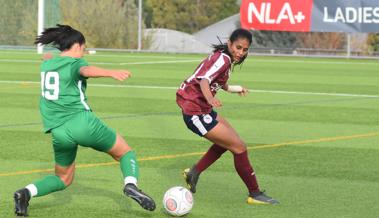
{"type": "Point", "coordinates": [187, 16]}
{"type": "Point", "coordinates": [18, 23]}
{"type": "Point", "coordinates": [113, 23]}
{"type": "Point", "coordinates": [373, 42]}
{"type": "Point", "coordinates": [110, 24]}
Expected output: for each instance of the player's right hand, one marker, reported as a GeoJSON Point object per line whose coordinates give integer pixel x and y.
{"type": "Point", "coordinates": [214, 102]}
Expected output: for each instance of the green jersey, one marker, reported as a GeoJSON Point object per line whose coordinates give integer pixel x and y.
{"type": "Point", "coordinates": [62, 90]}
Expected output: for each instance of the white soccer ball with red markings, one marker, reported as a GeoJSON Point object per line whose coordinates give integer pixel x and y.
{"type": "Point", "coordinates": [178, 201]}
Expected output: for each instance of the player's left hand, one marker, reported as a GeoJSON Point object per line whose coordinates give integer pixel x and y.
{"type": "Point", "coordinates": [47, 56]}
{"type": "Point", "coordinates": [121, 75]}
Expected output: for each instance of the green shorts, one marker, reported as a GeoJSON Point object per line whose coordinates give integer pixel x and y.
{"type": "Point", "coordinates": [83, 129]}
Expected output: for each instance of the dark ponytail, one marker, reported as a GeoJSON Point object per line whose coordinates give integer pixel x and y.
{"type": "Point", "coordinates": [61, 37]}
{"type": "Point", "coordinates": [223, 47]}
{"type": "Point", "coordinates": [236, 34]}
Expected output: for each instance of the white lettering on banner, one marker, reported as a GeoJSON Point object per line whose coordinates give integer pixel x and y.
{"type": "Point", "coordinates": [339, 16]}
{"type": "Point", "coordinates": [259, 15]}
{"type": "Point", "coordinates": [286, 13]}
{"type": "Point", "coordinates": [352, 15]}
{"type": "Point", "coordinates": [268, 19]}
{"type": "Point", "coordinates": [367, 15]}
{"type": "Point", "coordinates": [376, 14]}
{"type": "Point", "coordinates": [299, 17]}
{"type": "Point", "coordinates": [264, 14]}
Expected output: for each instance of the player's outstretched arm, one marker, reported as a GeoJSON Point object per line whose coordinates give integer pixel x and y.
{"type": "Point", "coordinates": [242, 91]}
{"type": "Point", "coordinates": [91, 71]}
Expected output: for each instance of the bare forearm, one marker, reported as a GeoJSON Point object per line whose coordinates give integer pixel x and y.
{"type": "Point", "coordinates": [90, 71]}
{"type": "Point", "coordinates": [205, 89]}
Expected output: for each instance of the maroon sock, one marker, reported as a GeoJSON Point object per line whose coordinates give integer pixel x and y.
{"type": "Point", "coordinates": [214, 153]}
{"type": "Point", "coordinates": [245, 171]}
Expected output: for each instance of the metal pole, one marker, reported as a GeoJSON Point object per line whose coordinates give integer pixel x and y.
{"type": "Point", "coordinates": [139, 24]}
{"type": "Point", "coordinates": [41, 13]}
{"type": "Point", "coordinates": [348, 54]}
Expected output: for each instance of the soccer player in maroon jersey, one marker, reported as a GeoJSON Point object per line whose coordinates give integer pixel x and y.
{"type": "Point", "coordinates": [196, 98]}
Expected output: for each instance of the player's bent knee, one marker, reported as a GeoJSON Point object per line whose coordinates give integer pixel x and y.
{"type": "Point", "coordinates": [66, 175]}
{"type": "Point", "coordinates": [118, 151]}
{"type": "Point", "coordinates": [238, 148]}
{"type": "Point", "coordinates": [67, 180]}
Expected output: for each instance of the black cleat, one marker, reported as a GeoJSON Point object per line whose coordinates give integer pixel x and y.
{"type": "Point", "coordinates": [21, 202]}
{"type": "Point", "coordinates": [142, 199]}
{"type": "Point", "coordinates": [191, 176]}
{"type": "Point", "coordinates": [260, 198]}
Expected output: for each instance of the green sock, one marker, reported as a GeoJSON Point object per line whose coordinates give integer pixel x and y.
{"type": "Point", "coordinates": [129, 166]}
{"type": "Point", "coordinates": [49, 184]}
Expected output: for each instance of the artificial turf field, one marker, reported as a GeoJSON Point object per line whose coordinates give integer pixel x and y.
{"type": "Point", "coordinates": [311, 125]}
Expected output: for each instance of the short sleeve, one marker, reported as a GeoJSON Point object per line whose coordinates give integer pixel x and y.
{"type": "Point", "coordinates": [213, 67]}
{"type": "Point", "coordinates": [76, 65]}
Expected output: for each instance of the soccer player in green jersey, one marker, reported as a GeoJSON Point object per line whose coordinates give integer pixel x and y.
{"type": "Point", "coordinates": [67, 116]}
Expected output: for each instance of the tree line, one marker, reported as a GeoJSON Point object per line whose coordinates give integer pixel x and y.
{"type": "Point", "coordinates": [113, 23]}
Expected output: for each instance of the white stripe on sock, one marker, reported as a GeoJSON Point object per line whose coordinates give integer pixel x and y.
{"type": "Point", "coordinates": [32, 189]}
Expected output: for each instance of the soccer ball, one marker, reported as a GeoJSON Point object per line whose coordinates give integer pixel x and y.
{"type": "Point", "coordinates": [178, 201]}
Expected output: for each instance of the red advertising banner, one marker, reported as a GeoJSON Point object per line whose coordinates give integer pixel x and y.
{"type": "Point", "coordinates": [285, 15]}
{"type": "Point", "coordinates": [310, 15]}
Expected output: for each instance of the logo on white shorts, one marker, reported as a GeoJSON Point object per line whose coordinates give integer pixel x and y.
{"type": "Point", "coordinates": [207, 119]}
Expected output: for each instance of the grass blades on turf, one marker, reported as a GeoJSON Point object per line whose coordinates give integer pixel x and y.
{"type": "Point", "coordinates": [311, 124]}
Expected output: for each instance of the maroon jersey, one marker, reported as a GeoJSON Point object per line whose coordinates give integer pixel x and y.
{"type": "Point", "coordinates": [215, 69]}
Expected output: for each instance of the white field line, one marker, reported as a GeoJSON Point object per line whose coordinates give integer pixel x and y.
{"type": "Point", "coordinates": [198, 60]}
{"type": "Point", "coordinates": [160, 62]}
{"type": "Point", "coordinates": [174, 88]}
{"type": "Point", "coordinates": [108, 63]}
{"type": "Point", "coordinates": [126, 55]}
{"type": "Point", "coordinates": [252, 58]}
{"type": "Point", "coordinates": [316, 62]}
{"type": "Point", "coordinates": [19, 61]}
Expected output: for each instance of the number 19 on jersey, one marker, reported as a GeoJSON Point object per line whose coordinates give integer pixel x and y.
{"type": "Point", "coordinates": [50, 85]}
